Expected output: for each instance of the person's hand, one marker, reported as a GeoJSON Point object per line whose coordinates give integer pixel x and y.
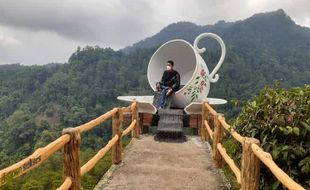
{"type": "Point", "coordinates": [169, 92]}
{"type": "Point", "coordinates": [157, 86]}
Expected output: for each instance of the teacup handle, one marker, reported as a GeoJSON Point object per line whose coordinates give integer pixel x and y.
{"type": "Point", "coordinates": [213, 77]}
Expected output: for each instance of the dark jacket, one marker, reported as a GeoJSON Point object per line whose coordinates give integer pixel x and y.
{"type": "Point", "coordinates": [171, 79]}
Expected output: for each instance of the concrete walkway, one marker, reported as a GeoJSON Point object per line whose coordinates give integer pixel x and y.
{"type": "Point", "coordinates": [149, 164]}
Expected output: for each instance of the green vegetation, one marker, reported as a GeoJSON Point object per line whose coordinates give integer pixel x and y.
{"type": "Point", "coordinates": [49, 174]}
{"type": "Point", "coordinates": [280, 119]}
{"type": "Point", "coordinates": [37, 102]}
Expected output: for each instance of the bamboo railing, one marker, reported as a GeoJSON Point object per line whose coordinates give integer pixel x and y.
{"type": "Point", "coordinates": [252, 153]}
{"type": "Point", "coordinates": [213, 126]}
{"type": "Point", "coordinates": [70, 142]}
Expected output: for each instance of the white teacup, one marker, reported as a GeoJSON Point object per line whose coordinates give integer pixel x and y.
{"type": "Point", "coordinates": [195, 76]}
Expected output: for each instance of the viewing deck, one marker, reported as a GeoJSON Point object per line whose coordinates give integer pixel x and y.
{"type": "Point", "coordinates": [165, 164]}
{"type": "Point", "coordinates": [148, 163]}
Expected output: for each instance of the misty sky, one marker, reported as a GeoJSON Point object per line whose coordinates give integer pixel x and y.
{"type": "Point", "coordinates": [41, 32]}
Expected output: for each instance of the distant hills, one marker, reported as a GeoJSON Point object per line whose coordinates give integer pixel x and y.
{"type": "Point", "coordinates": [37, 102]}
{"type": "Point", "coordinates": [261, 49]}
{"type": "Point", "coordinates": [273, 31]}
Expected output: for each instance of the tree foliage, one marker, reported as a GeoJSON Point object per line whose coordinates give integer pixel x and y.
{"type": "Point", "coordinates": [280, 119]}
{"type": "Point", "coordinates": [37, 102]}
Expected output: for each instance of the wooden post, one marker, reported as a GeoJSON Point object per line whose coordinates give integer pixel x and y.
{"type": "Point", "coordinates": [207, 118]}
{"type": "Point", "coordinates": [203, 117]}
{"type": "Point", "coordinates": [250, 166]}
{"type": "Point", "coordinates": [117, 121]}
{"type": "Point", "coordinates": [141, 117]}
{"type": "Point", "coordinates": [211, 119]}
{"type": "Point", "coordinates": [217, 138]}
{"type": "Point", "coordinates": [135, 115]}
{"type": "Point", "coordinates": [71, 156]}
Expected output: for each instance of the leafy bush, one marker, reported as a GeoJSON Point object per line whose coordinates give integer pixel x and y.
{"type": "Point", "coordinates": [280, 119]}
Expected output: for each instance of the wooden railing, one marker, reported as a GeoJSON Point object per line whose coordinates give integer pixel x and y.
{"type": "Point", "coordinates": [70, 142]}
{"type": "Point", "coordinates": [213, 125]}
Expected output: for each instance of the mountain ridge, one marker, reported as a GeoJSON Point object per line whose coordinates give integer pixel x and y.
{"type": "Point", "coordinates": [37, 102]}
{"type": "Point", "coordinates": [261, 23]}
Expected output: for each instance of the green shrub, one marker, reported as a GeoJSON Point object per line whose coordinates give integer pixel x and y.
{"type": "Point", "coordinates": [280, 119]}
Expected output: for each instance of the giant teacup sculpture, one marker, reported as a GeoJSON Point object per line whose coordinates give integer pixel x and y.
{"type": "Point", "coordinates": [195, 76]}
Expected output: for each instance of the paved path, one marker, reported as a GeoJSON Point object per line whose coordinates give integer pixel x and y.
{"type": "Point", "coordinates": [149, 164]}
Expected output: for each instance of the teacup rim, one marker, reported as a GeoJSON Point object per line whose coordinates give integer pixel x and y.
{"type": "Point", "coordinates": [196, 66]}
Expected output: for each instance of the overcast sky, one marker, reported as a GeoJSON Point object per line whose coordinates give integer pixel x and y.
{"type": "Point", "coordinates": [41, 32]}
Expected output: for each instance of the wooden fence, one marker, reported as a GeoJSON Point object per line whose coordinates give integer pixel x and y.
{"type": "Point", "coordinates": [70, 142]}
{"type": "Point", "coordinates": [213, 126]}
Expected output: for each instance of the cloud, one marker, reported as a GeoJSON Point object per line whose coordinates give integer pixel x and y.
{"type": "Point", "coordinates": [34, 47]}
{"type": "Point", "coordinates": [107, 22]}
{"type": "Point", "coordinates": [55, 28]}
{"type": "Point", "coordinates": [8, 40]}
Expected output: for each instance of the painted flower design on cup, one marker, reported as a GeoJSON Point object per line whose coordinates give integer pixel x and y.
{"type": "Point", "coordinates": [198, 85]}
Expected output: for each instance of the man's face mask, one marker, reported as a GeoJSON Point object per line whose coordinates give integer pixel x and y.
{"type": "Point", "coordinates": [169, 67]}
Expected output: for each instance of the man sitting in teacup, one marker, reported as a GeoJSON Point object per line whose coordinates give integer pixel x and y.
{"type": "Point", "coordinates": [169, 83]}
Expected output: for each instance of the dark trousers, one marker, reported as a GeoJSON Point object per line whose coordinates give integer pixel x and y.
{"type": "Point", "coordinates": [163, 96]}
